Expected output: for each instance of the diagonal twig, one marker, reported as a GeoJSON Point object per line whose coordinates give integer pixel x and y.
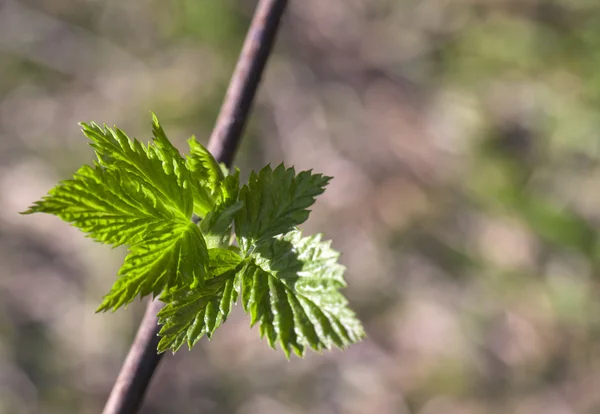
{"type": "Point", "coordinates": [142, 359]}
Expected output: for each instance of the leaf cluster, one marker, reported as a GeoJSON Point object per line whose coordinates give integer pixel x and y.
{"type": "Point", "coordinates": [178, 215]}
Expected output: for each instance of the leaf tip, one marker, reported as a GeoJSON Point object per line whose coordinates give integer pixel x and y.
{"type": "Point", "coordinates": [163, 346]}
{"type": "Point", "coordinates": [101, 309]}
{"type": "Point", "coordinates": [155, 122]}
{"type": "Point", "coordinates": [30, 210]}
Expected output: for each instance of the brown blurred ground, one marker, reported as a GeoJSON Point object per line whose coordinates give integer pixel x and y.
{"type": "Point", "coordinates": [463, 138]}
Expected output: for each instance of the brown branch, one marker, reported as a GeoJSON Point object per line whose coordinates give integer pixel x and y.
{"type": "Point", "coordinates": [142, 359]}
{"type": "Point", "coordinates": [136, 372]}
{"type": "Point", "coordinates": [245, 80]}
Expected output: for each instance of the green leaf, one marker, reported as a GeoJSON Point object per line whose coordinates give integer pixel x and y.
{"type": "Point", "coordinates": [145, 196]}
{"type": "Point", "coordinates": [218, 223]}
{"type": "Point", "coordinates": [191, 314]}
{"type": "Point", "coordinates": [290, 285]}
{"type": "Point", "coordinates": [138, 196]}
{"type": "Point", "coordinates": [206, 175]}
{"type": "Point", "coordinates": [224, 169]}
{"type": "Point", "coordinates": [222, 261]}
{"type": "Point", "coordinates": [108, 205]}
{"type": "Point", "coordinates": [159, 166]}
{"type": "Point", "coordinates": [202, 164]}
{"type": "Point", "coordinates": [169, 257]}
{"type": "Point", "coordinates": [275, 202]}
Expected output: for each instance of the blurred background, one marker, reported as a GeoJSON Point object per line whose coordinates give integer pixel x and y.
{"type": "Point", "coordinates": [464, 139]}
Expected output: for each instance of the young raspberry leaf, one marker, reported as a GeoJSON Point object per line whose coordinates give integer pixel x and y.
{"type": "Point", "coordinates": [217, 224]}
{"type": "Point", "coordinates": [190, 314]}
{"type": "Point", "coordinates": [139, 196]}
{"type": "Point", "coordinates": [159, 165]}
{"type": "Point", "coordinates": [110, 206]}
{"type": "Point", "coordinates": [291, 287]}
{"type": "Point", "coordinates": [206, 177]}
{"type": "Point", "coordinates": [167, 258]}
{"type": "Point", "coordinates": [275, 202]}
{"type": "Point", "coordinates": [202, 164]}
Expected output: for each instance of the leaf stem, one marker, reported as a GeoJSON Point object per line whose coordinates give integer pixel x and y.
{"type": "Point", "coordinates": [142, 359]}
